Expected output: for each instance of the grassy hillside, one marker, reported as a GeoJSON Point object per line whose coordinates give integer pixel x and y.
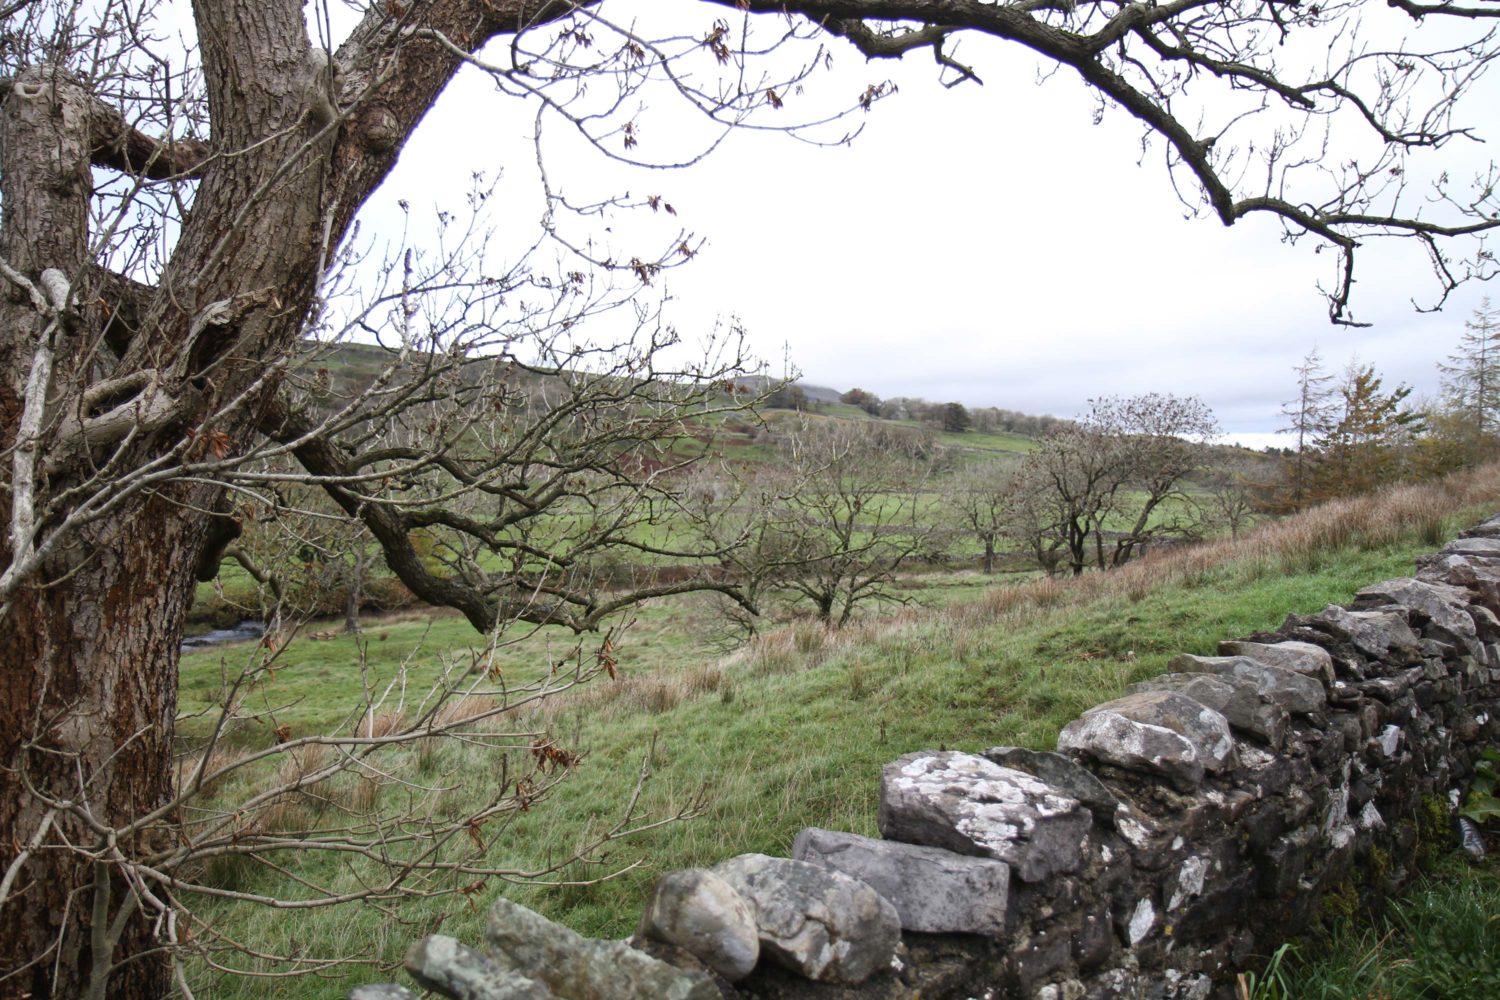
{"type": "Point", "coordinates": [788, 732]}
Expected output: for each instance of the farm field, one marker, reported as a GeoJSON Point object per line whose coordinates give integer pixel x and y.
{"type": "Point", "coordinates": [787, 732]}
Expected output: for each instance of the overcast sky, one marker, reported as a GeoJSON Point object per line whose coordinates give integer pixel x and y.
{"type": "Point", "coordinates": [987, 244]}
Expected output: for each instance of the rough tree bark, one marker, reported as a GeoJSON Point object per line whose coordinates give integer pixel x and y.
{"type": "Point", "coordinates": [90, 646]}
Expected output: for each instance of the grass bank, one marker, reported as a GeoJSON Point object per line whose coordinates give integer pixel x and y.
{"type": "Point", "coordinates": [792, 730]}
{"type": "Point", "coordinates": [1439, 941]}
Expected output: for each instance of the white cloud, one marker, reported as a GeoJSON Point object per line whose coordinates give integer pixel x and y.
{"type": "Point", "coordinates": [988, 244]}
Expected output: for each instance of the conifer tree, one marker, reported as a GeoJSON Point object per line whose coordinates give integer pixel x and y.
{"type": "Point", "coordinates": [1311, 417]}
{"type": "Point", "coordinates": [1471, 378]}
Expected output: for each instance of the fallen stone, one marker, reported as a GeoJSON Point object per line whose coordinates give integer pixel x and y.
{"type": "Point", "coordinates": [934, 891]}
{"type": "Point", "coordinates": [1488, 528]}
{"type": "Point", "coordinates": [572, 965]}
{"type": "Point", "coordinates": [1473, 547]}
{"type": "Point", "coordinates": [819, 923]}
{"type": "Point", "coordinates": [1292, 691]}
{"type": "Point", "coordinates": [965, 803]}
{"type": "Point", "coordinates": [1298, 657]}
{"type": "Point", "coordinates": [1375, 633]}
{"type": "Point", "coordinates": [381, 991]}
{"type": "Point", "coordinates": [697, 911]}
{"type": "Point", "coordinates": [1235, 698]}
{"type": "Point", "coordinates": [1062, 773]}
{"type": "Point", "coordinates": [1155, 731]}
{"type": "Point", "coordinates": [1444, 606]}
{"type": "Point", "coordinates": [447, 966]}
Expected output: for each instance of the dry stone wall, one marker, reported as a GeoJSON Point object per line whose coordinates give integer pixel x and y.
{"type": "Point", "coordinates": [1178, 833]}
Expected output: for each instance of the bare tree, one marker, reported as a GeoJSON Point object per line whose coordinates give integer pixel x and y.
{"type": "Point", "coordinates": [829, 523]}
{"type": "Point", "coordinates": [1103, 489]}
{"type": "Point", "coordinates": [1232, 494]}
{"type": "Point", "coordinates": [171, 213]}
{"type": "Point", "coordinates": [984, 499]}
{"type": "Point", "coordinates": [158, 390]}
{"type": "Point", "coordinates": [1161, 440]}
{"type": "Point", "coordinates": [1311, 415]}
{"type": "Point", "coordinates": [1246, 101]}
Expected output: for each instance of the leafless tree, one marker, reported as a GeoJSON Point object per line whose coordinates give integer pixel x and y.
{"type": "Point", "coordinates": [828, 523]}
{"type": "Point", "coordinates": [1160, 440]}
{"type": "Point", "coordinates": [1316, 115]}
{"type": "Point", "coordinates": [161, 389]}
{"type": "Point", "coordinates": [1104, 488]}
{"type": "Point", "coordinates": [1310, 417]}
{"type": "Point", "coordinates": [984, 499]}
{"type": "Point", "coordinates": [172, 211]}
{"type": "Point", "coordinates": [1231, 494]}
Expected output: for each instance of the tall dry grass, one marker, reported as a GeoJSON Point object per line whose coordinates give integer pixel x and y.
{"type": "Point", "coordinates": [1429, 512]}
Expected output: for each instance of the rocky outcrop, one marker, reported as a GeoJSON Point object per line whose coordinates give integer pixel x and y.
{"type": "Point", "coordinates": [816, 921]}
{"type": "Point", "coordinates": [700, 913]}
{"type": "Point", "coordinates": [1177, 833]}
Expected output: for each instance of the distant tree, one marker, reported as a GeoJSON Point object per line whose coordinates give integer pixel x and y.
{"type": "Point", "coordinates": [787, 396]}
{"type": "Point", "coordinates": [1363, 448]}
{"type": "Point", "coordinates": [1471, 378]}
{"type": "Point", "coordinates": [1311, 415]}
{"type": "Point", "coordinates": [983, 500]}
{"type": "Point", "coordinates": [867, 401]}
{"type": "Point", "coordinates": [828, 524]}
{"type": "Point", "coordinates": [1232, 494]}
{"type": "Point", "coordinates": [1103, 489]}
{"type": "Point", "coordinates": [1450, 441]}
{"type": "Point", "coordinates": [1163, 439]}
{"type": "Point", "coordinates": [955, 418]}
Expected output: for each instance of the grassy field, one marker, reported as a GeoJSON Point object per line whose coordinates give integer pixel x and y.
{"type": "Point", "coordinates": [788, 732]}
{"type": "Point", "coordinates": [1439, 941]}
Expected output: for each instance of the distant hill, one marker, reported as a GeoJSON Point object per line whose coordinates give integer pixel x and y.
{"type": "Point", "coordinates": [814, 393]}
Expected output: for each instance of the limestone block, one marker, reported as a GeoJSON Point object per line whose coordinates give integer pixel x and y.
{"type": "Point", "coordinates": [1473, 548]}
{"type": "Point", "coordinates": [1377, 634]}
{"type": "Point", "coordinates": [381, 991]}
{"type": "Point", "coordinates": [1292, 691]}
{"type": "Point", "coordinates": [1299, 657]}
{"type": "Point", "coordinates": [819, 923]}
{"type": "Point", "coordinates": [965, 803]}
{"type": "Point", "coordinates": [1062, 773]}
{"type": "Point", "coordinates": [1446, 607]}
{"type": "Point", "coordinates": [1159, 731]}
{"type": "Point", "coordinates": [449, 967]}
{"type": "Point", "coordinates": [695, 910]}
{"type": "Point", "coordinates": [934, 891]}
{"type": "Point", "coordinates": [572, 965]}
{"type": "Point", "coordinates": [1238, 700]}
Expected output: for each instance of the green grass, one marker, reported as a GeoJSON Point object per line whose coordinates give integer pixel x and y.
{"type": "Point", "coordinates": [1001, 443]}
{"type": "Point", "coordinates": [789, 733]}
{"type": "Point", "coordinates": [1439, 941]}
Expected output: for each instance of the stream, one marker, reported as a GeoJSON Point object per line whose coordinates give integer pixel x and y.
{"type": "Point", "coordinates": [249, 629]}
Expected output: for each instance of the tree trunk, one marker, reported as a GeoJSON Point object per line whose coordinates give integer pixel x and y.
{"type": "Point", "coordinates": [356, 591]}
{"type": "Point", "coordinates": [86, 717]}
{"type": "Point", "coordinates": [89, 643]}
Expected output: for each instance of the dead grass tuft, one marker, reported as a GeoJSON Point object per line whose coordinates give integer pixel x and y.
{"type": "Point", "coordinates": [459, 710]}
{"type": "Point", "coordinates": [295, 809]}
{"type": "Point", "coordinates": [379, 723]}
{"type": "Point", "coordinates": [223, 756]}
